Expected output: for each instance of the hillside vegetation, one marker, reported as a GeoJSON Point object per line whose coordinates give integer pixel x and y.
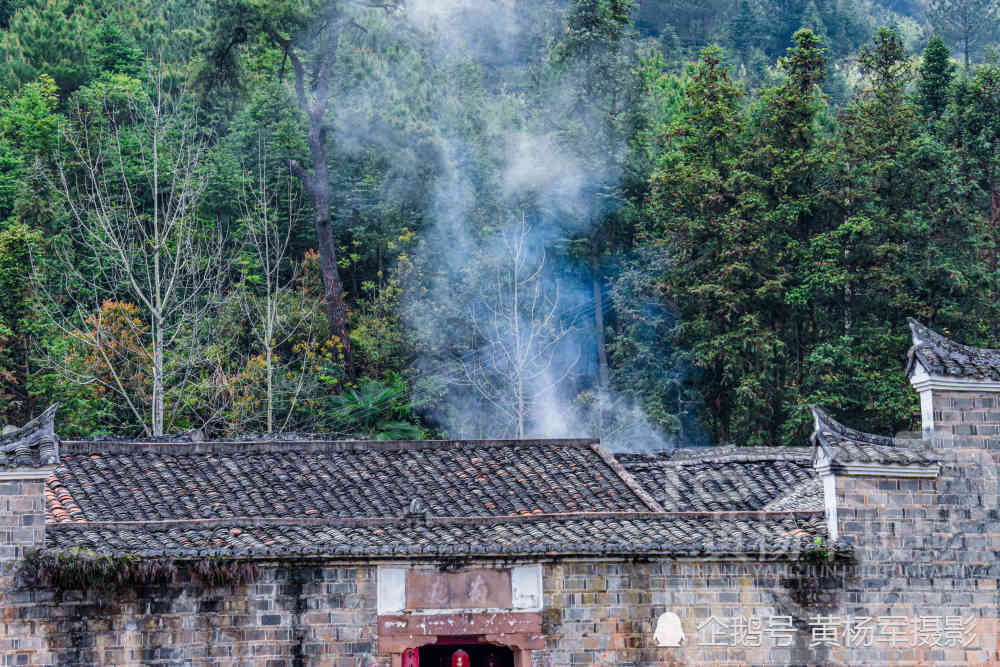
{"type": "Point", "coordinates": [661, 223]}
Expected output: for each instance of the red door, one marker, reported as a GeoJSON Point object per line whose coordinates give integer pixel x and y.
{"type": "Point", "coordinates": [411, 658]}
{"type": "Point", "coordinates": [460, 659]}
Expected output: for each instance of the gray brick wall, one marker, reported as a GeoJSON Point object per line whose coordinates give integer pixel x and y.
{"type": "Point", "coordinates": [599, 612]}
{"type": "Point", "coordinates": [22, 516]}
{"type": "Point", "coordinates": [925, 548]}
{"type": "Point", "coordinates": [301, 615]}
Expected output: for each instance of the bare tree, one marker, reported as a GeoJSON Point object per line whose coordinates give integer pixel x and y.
{"type": "Point", "coordinates": [518, 363]}
{"type": "Point", "coordinates": [131, 187]}
{"type": "Point", "coordinates": [268, 301]}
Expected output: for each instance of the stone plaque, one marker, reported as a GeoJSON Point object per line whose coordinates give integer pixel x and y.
{"type": "Point", "coordinates": [469, 589]}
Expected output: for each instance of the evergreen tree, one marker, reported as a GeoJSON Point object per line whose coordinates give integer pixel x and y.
{"type": "Point", "coordinates": [736, 213]}
{"type": "Point", "coordinates": [973, 126]}
{"type": "Point", "coordinates": [687, 230]}
{"type": "Point", "coordinates": [967, 23]}
{"type": "Point", "coordinates": [743, 30]}
{"type": "Point", "coordinates": [115, 51]}
{"type": "Point", "coordinates": [936, 75]}
{"type": "Point", "coordinates": [48, 38]}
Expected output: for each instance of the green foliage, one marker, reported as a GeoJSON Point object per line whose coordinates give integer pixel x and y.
{"type": "Point", "coordinates": [10, 176]}
{"type": "Point", "coordinates": [756, 244]}
{"type": "Point", "coordinates": [795, 252]}
{"type": "Point", "coordinates": [49, 38]}
{"type": "Point", "coordinates": [968, 24]}
{"type": "Point", "coordinates": [29, 121]}
{"type": "Point", "coordinates": [936, 75]}
{"type": "Point", "coordinates": [373, 411]}
{"type": "Point", "coordinates": [18, 317]}
{"type": "Point", "coordinates": [115, 51]}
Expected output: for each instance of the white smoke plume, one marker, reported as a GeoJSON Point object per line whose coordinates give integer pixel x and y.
{"type": "Point", "coordinates": [471, 314]}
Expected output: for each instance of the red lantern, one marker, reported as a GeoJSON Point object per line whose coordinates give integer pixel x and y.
{"type": "Point", "coordinates": [460, 659]}
{"type": "Point", "coordinates": [411, 658]}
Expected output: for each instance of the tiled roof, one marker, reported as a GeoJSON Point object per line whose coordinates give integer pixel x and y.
{"type": "Point", "coordinates": [99, 481]}
{"type": "Point", "coordinates": [841, 444]}
{"type": "Point", "coordinates": [943, 356]}
{"type": "Point", "coordinates": [338, 498]}
{"type": "Point", "coordinates": [630, 534]}
{"type": "Point", "coordinates": [33, 445]}
{"type": "Point", "coordinates": [727, 479]}
{"type": "Point", "coordinates": [805, 496]}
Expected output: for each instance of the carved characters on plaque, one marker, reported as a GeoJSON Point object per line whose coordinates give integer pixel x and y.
{"type": "Point", "coordinates": [479, 592]}
{"type": "Point", "coordinates": [480, 588]}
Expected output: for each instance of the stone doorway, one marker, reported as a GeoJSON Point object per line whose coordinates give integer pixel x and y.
{"type": "Point", "coordinates": [480, 655]}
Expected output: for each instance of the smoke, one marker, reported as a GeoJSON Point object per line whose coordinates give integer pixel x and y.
{"type": "Point", "coordinates": [502, 303]}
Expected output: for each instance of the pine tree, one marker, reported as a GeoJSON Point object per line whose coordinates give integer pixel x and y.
{"type": "Point", "coordinates": [936, 75]}
{"type": "Point", "coordinates": [967, 23]}
{"type": "Point", "coordinates": [737, 214]}
{"type": "Point", "coordinates": [743, 31]}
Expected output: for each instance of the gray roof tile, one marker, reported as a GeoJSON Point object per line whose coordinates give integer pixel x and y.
{"type": "Point", "coordinates": [33, 445]}
{"type": "Point", "coordinates": [335, 498]}
{"type": "Point", "coordinates": [171, 481]}
{"type": "Point", "coordinates": [943, 356]}
{"type": "Point", "coordinates": [631, 534]}
{"type": "Point", "coordinates": [724, 479]}
{"type": "Point", "coordinates": [847, 445]}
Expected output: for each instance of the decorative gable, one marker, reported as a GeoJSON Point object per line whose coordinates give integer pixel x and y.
{"type": "Point", "coordinates": [31, 446]}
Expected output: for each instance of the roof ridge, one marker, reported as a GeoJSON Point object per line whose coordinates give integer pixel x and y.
{"type": "Point", "coordinates": [627, 478]}
{"type": "Point", "coordinates": [184, 448]}
{"type": "Point", "coordinates": [824, 422]}
{"type": "Point", "coordinates": [940, 355]}
{"type": "Point", "coordinates": [741, 458]}
{"type": "Point", "coordinates": [454, 520]}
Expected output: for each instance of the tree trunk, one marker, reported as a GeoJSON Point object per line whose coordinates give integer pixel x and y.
{"type": "Point", "coordinates": [602, 352]}
{"type": "Point", "coordinates": [158, 380]}
{"type": "Point", "coordinates": [318, 184]}
{"type": "Point", "coordinates": [319, 192]}
{"type": "Point", "coordinates": [270, 389]}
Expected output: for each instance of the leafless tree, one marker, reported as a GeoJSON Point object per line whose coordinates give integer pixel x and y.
{"type": "Point", "coordinates": [518, 364]}
{"type": "Point", "coordinates": [131, 185]}
{"type": "Point", "coordinates": [273, 312]}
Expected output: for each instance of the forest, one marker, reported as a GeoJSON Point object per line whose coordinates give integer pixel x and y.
{"type": "Point", "coordinates": [660, 223]}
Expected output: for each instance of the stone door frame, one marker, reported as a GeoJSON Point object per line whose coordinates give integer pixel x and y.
{"type": "Point", "coordinates": [521, 644]}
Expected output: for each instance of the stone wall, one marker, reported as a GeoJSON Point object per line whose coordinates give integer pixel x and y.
{"type": "Point", "coordinates": [595, 613]}
{"type": "Point", "coordinates": [302, 615]}
{"type": "Point", "coordinates": [605, 614]}
{"type": "Point", "coordinates": [22, 525]}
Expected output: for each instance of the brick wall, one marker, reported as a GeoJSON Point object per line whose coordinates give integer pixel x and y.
{"type": "Point", "coordinates": [966, 419]}
{"type": "Point", "coordinates": [302, 615]}
{"type": "Point", "coordinates": [605, 613]}
{"type": "Point", "coordinates": [22, 516]}
{"type": "Point", "coordinates": [602, 613]}
{"type": "Point", "coordinates": [596, 613]}
{"type": "Point", "coordinates": [925, 550]}
{"type": "Point", "coordinates": [22, 526]}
